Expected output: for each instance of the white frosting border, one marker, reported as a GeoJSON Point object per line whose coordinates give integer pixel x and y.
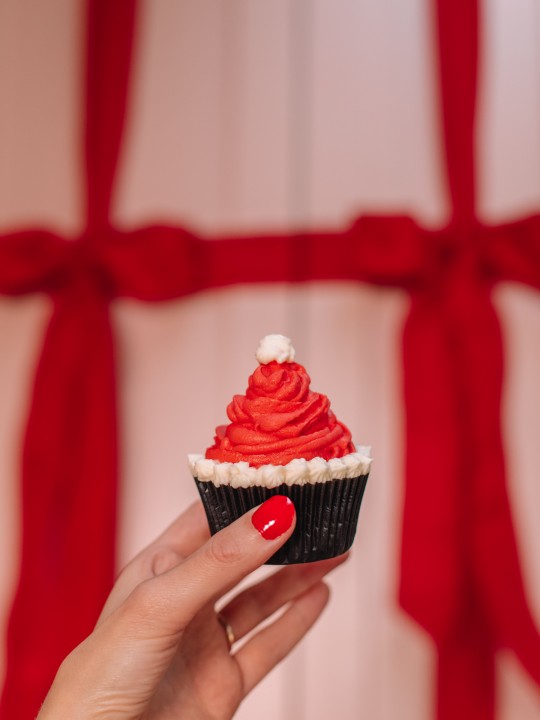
{"type": "Point", "coordinates": [297, 472]}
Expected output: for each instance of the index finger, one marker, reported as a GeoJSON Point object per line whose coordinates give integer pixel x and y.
{"type": "Point", "coordinates": [187, 533]}
{"type": "Point", "coordinates": [167, 603]}
{"type": "Point", "coordinates": [184, 536]}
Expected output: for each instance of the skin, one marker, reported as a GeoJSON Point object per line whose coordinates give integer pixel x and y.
{"type": "Point", "coordinates": [158, 651]}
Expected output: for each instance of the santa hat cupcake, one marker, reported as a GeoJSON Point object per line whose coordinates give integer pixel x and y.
{"type": "Point", "coordinates": [283, 439]}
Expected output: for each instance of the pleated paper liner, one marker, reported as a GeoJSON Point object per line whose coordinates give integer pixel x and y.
{"type": "Point", "coordinates": [326, 514]}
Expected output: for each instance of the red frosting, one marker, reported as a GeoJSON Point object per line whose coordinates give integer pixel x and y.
{"type": "Point", "coordinates": [279, 419]}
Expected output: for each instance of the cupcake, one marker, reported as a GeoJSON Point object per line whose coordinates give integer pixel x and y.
{"type": "Point", "coordinates": [283, 439]}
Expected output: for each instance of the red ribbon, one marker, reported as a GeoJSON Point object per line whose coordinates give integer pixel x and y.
{"type": "Point", "coordinates": [461, 578]}
{"type": "Point", "coordinates": [69, 467]}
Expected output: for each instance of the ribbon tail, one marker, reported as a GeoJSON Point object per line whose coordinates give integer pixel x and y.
{"type": "Point", "coordinates": [496, 557]}
{"type": "Point", "coordinates": [438, 588]}
{"type": "Point", "coordinates": [68, 501]}
{"type": "Point", "coordinates": [430, 583]}
{"type": "Point", "coordinates": [466, 672]}
{"type": "Point", "coordinates": [502, 583]}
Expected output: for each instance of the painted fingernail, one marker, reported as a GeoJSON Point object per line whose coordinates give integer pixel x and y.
{"type": "Point", "coordinates": [274, 517]}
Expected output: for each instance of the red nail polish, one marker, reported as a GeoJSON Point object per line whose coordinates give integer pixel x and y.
{"type": "Point", "coordinates": [274, 517]}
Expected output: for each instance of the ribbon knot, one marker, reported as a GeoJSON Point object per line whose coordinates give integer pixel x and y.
{"type": "Point", "coordinates": [84, 269]}
{"type": "Point", "coordinates": [459, 255]}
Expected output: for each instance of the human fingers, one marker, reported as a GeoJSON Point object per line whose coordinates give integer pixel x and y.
{"type": "Point", "coordinates": [269, 646]}
{"type": "Point", "coordinates": [257, 603]}
{"type": "Point", "coordinates": [183, 536]}
{"type": "Point", "coordinates": [164, 605]}
{"type": "Point", "coordinates": [187, 533]}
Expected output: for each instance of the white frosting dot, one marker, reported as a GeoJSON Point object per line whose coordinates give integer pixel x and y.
{"type": "Point", "coordinates": [275, 347]}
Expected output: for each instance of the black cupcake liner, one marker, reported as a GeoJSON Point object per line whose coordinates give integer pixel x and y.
{"type": "Point", "coordinates": [326, 514]}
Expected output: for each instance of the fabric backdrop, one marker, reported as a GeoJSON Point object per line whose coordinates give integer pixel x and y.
{"type": "Point", "coordinates": [255, 135]}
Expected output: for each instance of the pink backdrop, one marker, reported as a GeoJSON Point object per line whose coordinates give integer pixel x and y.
{"type": "Point", "coordinates": [251, 116]}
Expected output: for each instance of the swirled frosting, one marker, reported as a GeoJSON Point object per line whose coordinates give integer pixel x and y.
{"type": "Point", "coordinates": [279, 419]}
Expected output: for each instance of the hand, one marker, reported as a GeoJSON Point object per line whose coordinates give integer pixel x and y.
{"type": "Point", "coordinates": [159, 651]}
